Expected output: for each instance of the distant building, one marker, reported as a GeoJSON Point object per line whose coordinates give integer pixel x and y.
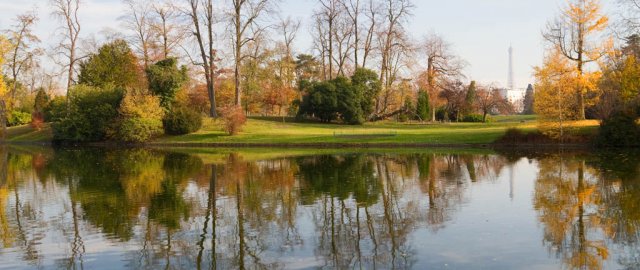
{"type": "Point", "coordinates": [513, 94]}
{"type": "Point", "coordinates": [515, 97]}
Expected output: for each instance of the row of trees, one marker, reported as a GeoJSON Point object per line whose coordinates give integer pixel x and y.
{"type": "Point", "coordinates": [239, 54]}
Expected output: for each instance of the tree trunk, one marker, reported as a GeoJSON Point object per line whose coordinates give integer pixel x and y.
{"type": "Point", "coordinates": [3, 120]}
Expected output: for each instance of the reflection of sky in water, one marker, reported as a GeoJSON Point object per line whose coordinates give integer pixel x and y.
{"type": "Point", "coordinates": [408, 210]}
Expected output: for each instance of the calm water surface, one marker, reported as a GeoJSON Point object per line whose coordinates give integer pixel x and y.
{"type": "Point", "coordinates": [151, 209]}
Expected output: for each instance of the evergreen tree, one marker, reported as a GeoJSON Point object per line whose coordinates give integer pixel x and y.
{"type": "Point", "coordinates": [470, 98]}
{"type": "Point", "coordinates": [423, 111]}
{"type": "Point", "coordinates": [165, 80]}
{"type": "Point", "coordinates": [114, 65]}
{"type": "Point", "coordinates": [528, 101]}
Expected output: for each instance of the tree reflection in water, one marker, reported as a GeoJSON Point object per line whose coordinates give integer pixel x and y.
{"type": "Point", "coordinates": [156, 209]}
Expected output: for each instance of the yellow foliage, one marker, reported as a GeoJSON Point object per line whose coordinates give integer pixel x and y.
{"type": "Point", "coordinates": [4, 47]}
{"type": "Point", "coordinates": [555, 100]}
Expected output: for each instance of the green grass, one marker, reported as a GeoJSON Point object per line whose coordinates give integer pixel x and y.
{"type": "Point", "coordinates": [274, 131]}
{"type": "Point", "coordinates": [28, 134]}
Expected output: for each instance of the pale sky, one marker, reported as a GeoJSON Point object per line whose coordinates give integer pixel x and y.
{"type": "Point", "coordinates": [480, 30]}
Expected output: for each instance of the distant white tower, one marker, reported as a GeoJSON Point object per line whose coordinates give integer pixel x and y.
{"type": "Point", "coordinates": [511, 83]}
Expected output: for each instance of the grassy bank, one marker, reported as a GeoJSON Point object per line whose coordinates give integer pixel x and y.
{"type": "Point", "coordinates": [274, 131]}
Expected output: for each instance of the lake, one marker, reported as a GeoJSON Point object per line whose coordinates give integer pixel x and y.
{"type": "Point", "coordinates": [97, 208]}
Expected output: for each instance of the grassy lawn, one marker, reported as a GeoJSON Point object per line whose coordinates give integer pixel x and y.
{"type": "Point", "coordinates": [274, 131]}
{"type": "Point", "coordinates": [28, 134]}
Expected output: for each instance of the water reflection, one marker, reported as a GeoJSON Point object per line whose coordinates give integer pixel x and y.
{"type": "Point", "coordinates": [136, 208]}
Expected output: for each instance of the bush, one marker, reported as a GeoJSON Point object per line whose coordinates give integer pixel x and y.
{"type": "Point", "coordinates": [473, 118]}
{"type": "Point", "coordinates": [138, 130]}
{"type": "Point", "coordinates": [89, 116]}
{"type": "Point", "coordinates": [620, 130]}
{"type": "Point", "coordinates": [55, 109]}
{"type": "Point", "coordinates": [234, 119]}
{"type": "Point", "coordinates": [181, 120]}
{"type": "Point", "coordinates": [18, 118]}
{"type": "Point", "coordinates": [140, 118]}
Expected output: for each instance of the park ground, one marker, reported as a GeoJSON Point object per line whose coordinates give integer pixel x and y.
{"type": "Point", "coordinates": [279, 131]}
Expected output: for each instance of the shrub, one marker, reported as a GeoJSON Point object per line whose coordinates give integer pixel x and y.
{"type": "Point", "coordinates": [619, 130]}
{"type": "Point", "coordinates": [138, 130]}
{"type": "Point", "coordinates": [234, 119]}
{"type": "Point", "coordinates": [182, 120]}
{"type": "Point", "coordinates": [473, 118]}
{"type": "Point", "coordinates": [514, 136]}
{"type": "Point", "coordinates": [89, 115]}
{"type": "Point", "coordinates": [140, 118]}
{"type": "Point", "coordinates": [18, 118]}
{"type": "Point", "coordinates": [37, 120]}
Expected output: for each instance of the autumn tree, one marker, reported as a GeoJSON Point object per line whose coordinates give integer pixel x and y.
{"type": "Point", "coordinates": [555, 95]}
{"type": "Point", "coordinates": [67, 12]}
{"type": "Point", "coordinates": [488, 99]}
{"type": "Point", "coordinates": [21, 56]}
{"type": "Point", "coordinates": [4, 45]}
{"type": "Point", "coordinates": [575, 35]}
{"type": "Point", "coordinates": [201, 14]}
{"type": "Point", "coordinates": [441, 65]}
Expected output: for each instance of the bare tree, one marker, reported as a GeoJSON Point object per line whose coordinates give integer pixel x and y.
{"type": "Point", "coordinates": [289, 30]}
{"type": "Point", "coordinates": [373, 15]}
{"type": "Point", "coordinates": [442, 64]}
{"type": "Point", "coordinates": [489, 99]}
{"type": "Point", "coordinates": [321, 43]}
{"type": "Point", "coordinates": [326, 18]}
{"type": "Point", "coordinates": [138, 20]}
{"type": "Point", "coordinates": [342, 36]}
{"type": "Point", "coordinates": [391, 39]}
{"type": "Point", "coordinates": [205, 40]}
{"type": "Point", "coordinates": [67, 12]}
{"type": "Point", "coordinates": [353, 9]}
{"type": "Point", "coordinates": [245, 16]}
{"type": "Point", "coordinates": [165, 25]}
{"type": "Point", "coordinates": [572, 33]}
{"type": "Point", "coordinates": [22, 57]}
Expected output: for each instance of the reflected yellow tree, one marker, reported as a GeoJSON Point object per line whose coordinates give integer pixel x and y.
{"type": "Point", "coordinates": [568, 202]}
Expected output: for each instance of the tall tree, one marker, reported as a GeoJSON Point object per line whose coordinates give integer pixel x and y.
{"type": "Point", "coordinates": [166, 26]}
{"type": "Point", "coordinates": [21, 56]}
{"type": "Point", "coordinates": [244, 18]}
{"type": "Point", "coordinates": [392, 40]}
{"type": "Point", "coordinates": [353, 9]}
{"type": "Point", "coordinates": [327, 15]}
{"type": "Point", "coordinates": [555, 93]}
{"type": "Point", "coordinates": [442, 64]}
{"type": "Point", "coordinates": [67, 12]}
{"type": "Point", "coordinates": [204, 35]}
{"type": "Point", "coordinates": [373, 14]}
{"type": "Point", "coordinates": [574, 34]}
{"type": "Point", "coordinates": [138, 21]}
{"type": "Point", "coordinates": [3, 90]}
{"type": "Point", "coordinates": [528, 101]}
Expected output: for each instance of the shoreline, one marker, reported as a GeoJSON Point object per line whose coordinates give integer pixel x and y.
{"type": "Point", "coordinates": [309, 145]}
